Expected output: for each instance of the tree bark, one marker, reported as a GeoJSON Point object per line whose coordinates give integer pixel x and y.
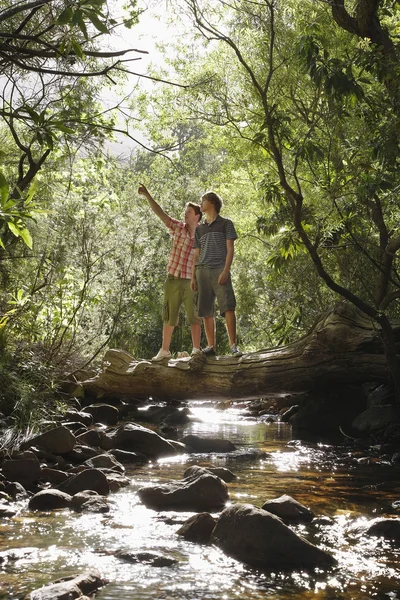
{"type": "Point", "coordinates": [345, 346]}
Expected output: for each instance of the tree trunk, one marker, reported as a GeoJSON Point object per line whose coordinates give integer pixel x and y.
{"type": "Point", "coordinates": [343, 347]}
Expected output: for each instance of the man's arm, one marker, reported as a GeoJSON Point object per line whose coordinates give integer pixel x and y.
{"type": "Point", "coordinates": [193, 283]}
{"type": "Point", "coordinates": [223, 278]}
{"type": "Point", "coordinates": [156, 208]}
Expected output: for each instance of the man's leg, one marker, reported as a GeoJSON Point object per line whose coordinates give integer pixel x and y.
{"type": "Point", "coordinates": [195, 329]}
{"type": "Point", "coordinates": [166, 336]}
{"type": "Point", "coordinates": [230, 321]}
{"type": "Point", "coordinates": [209, 328]}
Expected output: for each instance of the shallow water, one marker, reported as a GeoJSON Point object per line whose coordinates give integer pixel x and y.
{"type": "Point", "coordinates": [332, 480]}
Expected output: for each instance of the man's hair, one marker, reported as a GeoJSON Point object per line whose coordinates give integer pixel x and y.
{"type": "Point", "coordinates": [214, 199]}
{"type": "Point", "coordinates": [196, 208]}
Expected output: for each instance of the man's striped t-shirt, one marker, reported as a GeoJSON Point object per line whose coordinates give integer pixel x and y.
{"type": "Point", "coordinates": [211, 239]}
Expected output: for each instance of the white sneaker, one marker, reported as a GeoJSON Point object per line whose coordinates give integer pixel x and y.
{"type": "Point", "coordinates": [196, 351]}
{"type": "Point", "coordinates": [161, 354]}
{"type": "Point", "coordinates": [235, 351]}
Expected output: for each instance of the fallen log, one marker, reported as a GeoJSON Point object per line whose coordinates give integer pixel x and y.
{"type": "Point", "coordinates": [343, 347]}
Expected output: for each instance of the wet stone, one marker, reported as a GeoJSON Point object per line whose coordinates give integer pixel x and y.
{"type": "Point", "coordinates": [155, 559]}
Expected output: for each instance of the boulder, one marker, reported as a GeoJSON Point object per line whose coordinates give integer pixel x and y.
{"type": "Point", "coordinates": [289, 510]}
{"type": "Point", "coordinates": [386, 528]}
{"type": "Point", "coordinates": [260, 539]}
{"type": "Point", "coordinates": [123, 456]}
{"type": "Point", "coordinates": [93, 438]}
{"type": "Point", "coordinates": [23, 470]}
{"type": "Point", "coordinates": [103, 413]}
{"type": "Point", "coordinates": [49, 500]}
{"type": "Point", "coordinates": [104, 461]}
{"type": "Point", "coordinates": [79, 416]}
{"type": "Point", "coordinates": [198, 528]}
{"type": "Point", "coordinates": [57, 441]}
{"type": "Point", "coordinates": [135, 438]}
{"type": "Point", "coordinates": [197, 493]}
{"type": "Point", "coordinates": [53, 475]}
{"type": "Point", "coordinates": [221, 472]}
{"type": "Point", "coordinates": [375, 418]}
{"type": "Point", "coordinates": [198, 444]}
{"type": "Point", "coordinates": [155, 559]}
{"type": "Point", "coordinates": [89, 479]}
{"type": "Point", "coordinates": [69, 587]}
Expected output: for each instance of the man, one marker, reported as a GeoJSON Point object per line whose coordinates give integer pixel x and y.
{"type": "Point", "coordinates": [180, 265]}
{"type": "Point", "coordinates": [211, 277]}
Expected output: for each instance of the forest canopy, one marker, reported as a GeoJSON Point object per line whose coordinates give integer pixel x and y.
{"type": "Point", "coordinates": [290, 111]}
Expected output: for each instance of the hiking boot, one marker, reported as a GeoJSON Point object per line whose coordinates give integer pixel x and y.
{"type": "Point", "coordinates": [195, 351]}
{"type": "Point", "coordinates": [208, 351]}
{"type": "Point", "coordinates": [235, 351]}
{"type": "Point", "coordinates": [161, 354]}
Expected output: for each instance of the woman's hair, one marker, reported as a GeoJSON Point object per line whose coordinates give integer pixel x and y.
{"type": "Point", "coordinates": [214, 199]}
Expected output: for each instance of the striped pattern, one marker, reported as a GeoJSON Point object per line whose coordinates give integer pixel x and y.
{"type": "Point", "coordinates": [180, 262]}
{"type": "Point", "coordinates": [211, 239]}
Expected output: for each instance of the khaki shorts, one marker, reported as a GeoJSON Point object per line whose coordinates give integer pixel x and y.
{"type": "Point", "coordinates": [177, 292]}
{"type": "Point", "coordinates": [208, 289]}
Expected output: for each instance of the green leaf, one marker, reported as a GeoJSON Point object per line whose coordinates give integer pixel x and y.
{"type": "Point", "coordinates": [4, 189]}
{"type": "Point", "coordinates": [61, 127]}
{"type": "Point", "coordinates": [77, 48]}
{"type": "Point", "coordinates": [96, 22]}
{"type": "Point", "coordinates": [26, 236]}
{"type": "Point", "coordinates": [13, 228]}
{"type": "Point", "coordinates": [66, 16]}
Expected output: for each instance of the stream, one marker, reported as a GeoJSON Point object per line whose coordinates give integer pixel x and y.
{"type": "Point", "coordinates": [339, 483]}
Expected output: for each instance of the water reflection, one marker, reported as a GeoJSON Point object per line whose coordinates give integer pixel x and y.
{"type": "Point", "coordinates": [328, 479]}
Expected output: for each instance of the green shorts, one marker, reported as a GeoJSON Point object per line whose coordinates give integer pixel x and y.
{"type": "Point", "coordinates": [208, 289]}
{"type": "Point", "coordinates": [177, 292]}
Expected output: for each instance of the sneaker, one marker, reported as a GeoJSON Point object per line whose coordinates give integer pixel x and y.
{"type": "Point", "coordinates": [235, 351]}
{"type": "Point", "coordinates": [161, 354]}
{"type": "Point", "coordinates": [208, 351]}
{"type": "Point", "coordinates": [195, 351]}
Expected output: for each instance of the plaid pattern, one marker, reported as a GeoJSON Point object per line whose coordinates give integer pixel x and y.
{"type": "Point", "coordinates": [180, 262]}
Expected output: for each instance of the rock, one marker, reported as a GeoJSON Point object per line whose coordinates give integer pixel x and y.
{"type": "Point", "coordinates": [221, 472]}
{"type": "Point", "coordinates": [123, 456]}
{"type": "Point", "coordinates": [136, 438]}
{"type": "Point", "coordinates": [81, 453]}
{"type": "Point", "coordinates": [116, 481]}
{"type": "Point", "coordinates": [167, 414]}
{"type": "Point", "coordinates": [199, 444]}
{"type": "Point", "coordinates": [197, 493]}
{"type": "Point", "coordinates": [286, 416]}
{"type": "Point", "coordinates": [53, 475]}
{"type": "Point", "coordinates": [69, 588]}
{"type": "Point", "coordinates": [89, 479]}
{"type": "Point", "coordinates": [80, 416]}
{"type": "Point", "coordinates": [198, 528]}
{"type": "Point", "coordinates": [15, 490]}
{"type": "Point", "coordinates": [155, 559]}
{"type": "Point", "coordinates": [25, 471]}
{"type": "Point", "coordinates": [386, 528]}
{"type": "Point", "coordinates": [57, 441]}
{"type": "Point", "coordinates": [375, 418]}
{"type": "Point", "coordinates": [81, 497]}
{"type": "Point", "coordinates": [6, 511]}
{"type": "Point", "coordinates": [92, 437]}
{"type": "Point", "coordinates": [103, 413]}
{"type": "Point", "coordinates": [49, 500]}
{"type": "Point", "coordinates": [260, 539]}
{"type": "Point", "coordinates": [289, 510]}
{"type": "Point", "coordinates": [104, 461]}
{"type": "Point", "coordinates": [328, 407]}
